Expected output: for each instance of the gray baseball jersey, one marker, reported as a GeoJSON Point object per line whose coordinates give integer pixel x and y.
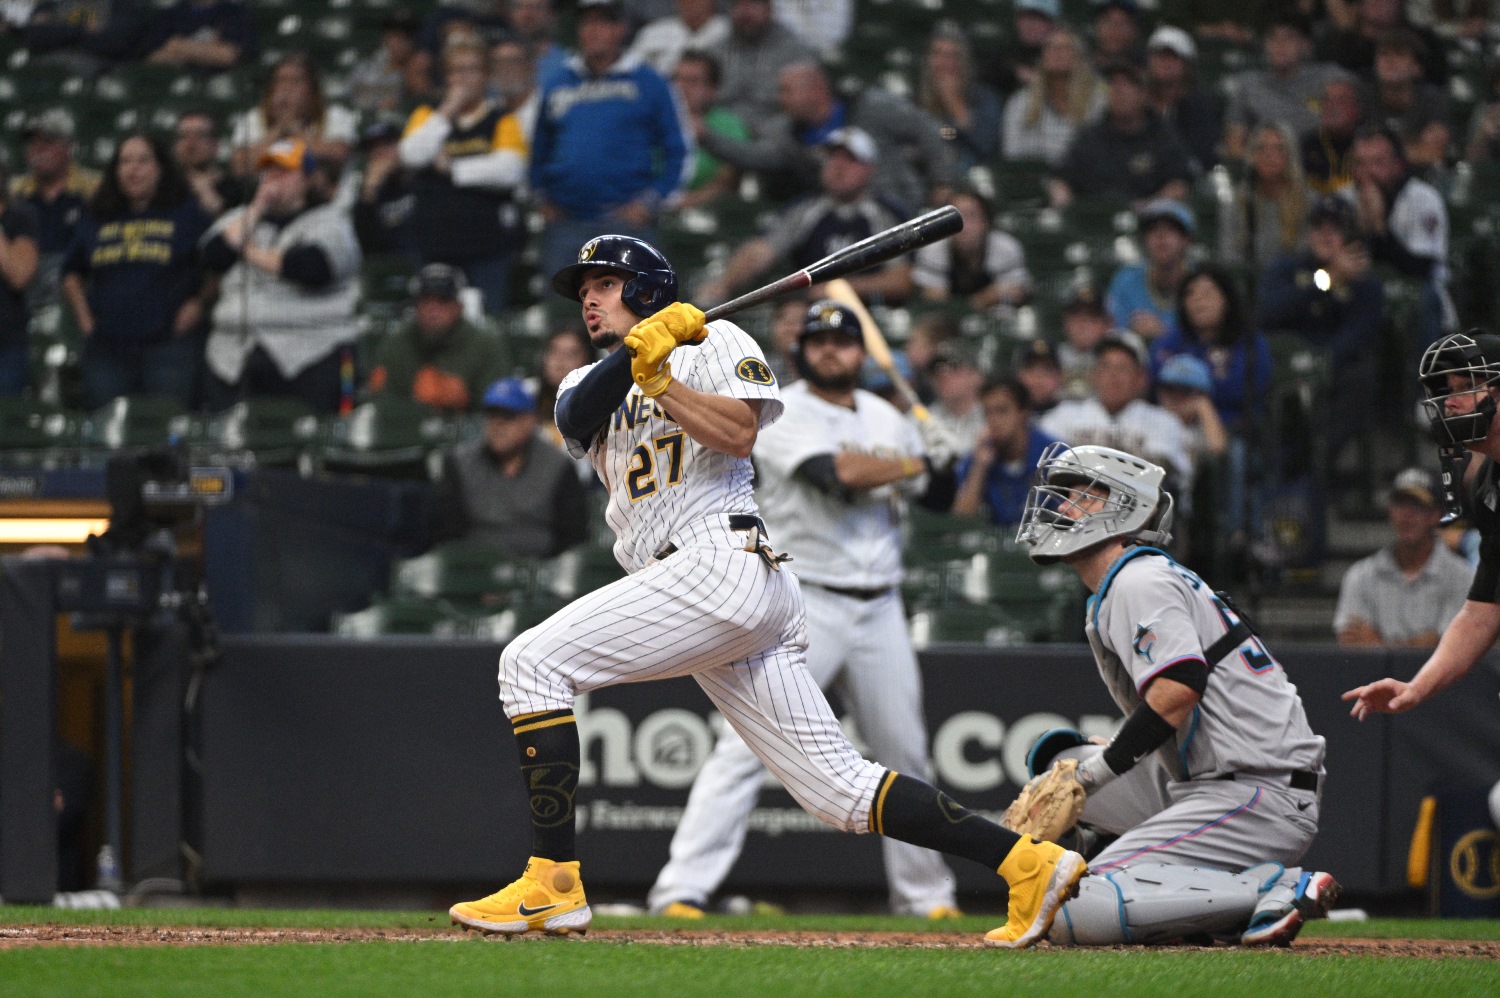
{"type": "Point", "coordinates": [1151, 613]}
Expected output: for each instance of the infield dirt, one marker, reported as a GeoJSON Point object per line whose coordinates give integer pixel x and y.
{"type": "Point", "coordinates": [12, 937]}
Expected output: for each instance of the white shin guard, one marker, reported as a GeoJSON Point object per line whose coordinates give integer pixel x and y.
{"type": "Point", "coordinates": [1156, 902]}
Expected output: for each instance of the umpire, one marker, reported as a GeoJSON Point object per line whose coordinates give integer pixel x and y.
{"type": "Point", "coordinates": [1460, 374]}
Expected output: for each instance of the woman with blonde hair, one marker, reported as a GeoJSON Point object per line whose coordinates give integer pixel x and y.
{"type": "Point", "coordinates": [1267, 215]}
{"type": "Point", "coordinates": [967, 110]}
{"type": "Point", "coordinates": [293, 106]}
{"type": "Point", "coordinates": [1042, 118]}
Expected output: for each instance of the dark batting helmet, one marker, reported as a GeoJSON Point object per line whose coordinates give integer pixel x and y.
{"type": "Point", "coordinates": [652, 285]}
{"type": "Point", "coordinates": [1474, 359]}
{"type": "Point", "coordinates": [828, 316]}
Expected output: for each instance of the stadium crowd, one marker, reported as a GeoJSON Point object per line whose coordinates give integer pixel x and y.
{"type": "Point", "coordinates": [1218, 236]}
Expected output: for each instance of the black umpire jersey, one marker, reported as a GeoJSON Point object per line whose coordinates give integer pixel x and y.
{"type": "Point", "coordinates": [1484, 498]}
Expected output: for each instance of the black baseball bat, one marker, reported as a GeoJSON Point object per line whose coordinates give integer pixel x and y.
{"type": "Point", "coordinates": [940, 223]}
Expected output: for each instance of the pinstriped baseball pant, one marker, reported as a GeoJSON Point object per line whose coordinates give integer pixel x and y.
{"type": "Point", "coordinates": [723, 616]}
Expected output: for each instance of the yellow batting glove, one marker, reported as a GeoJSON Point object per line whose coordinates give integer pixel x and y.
{"type": "Point", "coordinates": [683, 321]}
{"type": "Point", "coordinates": [652, 378]}
{"type": "Point", "coordinates": [650, 341]}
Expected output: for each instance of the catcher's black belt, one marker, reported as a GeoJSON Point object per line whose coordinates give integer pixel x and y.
{"type": "Point", "coordinates": [865, 595]}
{"type": "Point", "coordinates": [1302, 779]}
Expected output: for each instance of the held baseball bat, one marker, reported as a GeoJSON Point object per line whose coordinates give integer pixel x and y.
{"type": "Point", "coordinates": [876, 346]}
{"type": "Point", "coordinates": [887, 244]}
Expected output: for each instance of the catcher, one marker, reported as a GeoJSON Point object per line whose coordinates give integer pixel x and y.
{"type": "Point", "coordinates": [1213, 782]}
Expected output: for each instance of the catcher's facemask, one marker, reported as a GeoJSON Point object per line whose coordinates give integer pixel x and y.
{"type": "Point", "coordinates": [1087, 495]}
{"type": "Point", "coordinates": [1457, 365]}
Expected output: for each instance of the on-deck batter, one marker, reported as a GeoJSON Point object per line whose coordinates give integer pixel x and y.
{"type": "Point", "coordinates": [832, 478]}
{"type": "Point", "coordinates": [1229, 790]}
{"type": "Point", "coordinates": [670, 431]}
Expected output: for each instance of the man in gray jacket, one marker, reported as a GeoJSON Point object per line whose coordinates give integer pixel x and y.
{"type": "Point", "coordinates": [914, 160]}
{"type": "Point", "coordinates": [284, 323]}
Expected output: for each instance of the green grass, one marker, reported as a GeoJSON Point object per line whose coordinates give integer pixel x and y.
{"type": "Point", "coordinates": [467, 965]}
{"type": "Point", "coordinates": [566, 968]}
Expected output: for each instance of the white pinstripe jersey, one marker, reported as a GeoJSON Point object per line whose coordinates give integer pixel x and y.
{"type": "Point", "coordinates": [833, 542]}
{"type": "Point", "coordinates": [660, 480]}
{"type": "Point", "coordinates": [1151, 613]}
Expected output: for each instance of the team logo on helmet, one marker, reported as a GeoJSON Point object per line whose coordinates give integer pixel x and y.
{"type": "Point", "coordinates": [755, 371]}
{"type": "Point", "coordinates": [586, 253]}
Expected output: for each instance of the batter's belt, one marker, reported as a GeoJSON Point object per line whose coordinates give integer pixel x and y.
{"type": "Point", "coordinates": [757, 543]}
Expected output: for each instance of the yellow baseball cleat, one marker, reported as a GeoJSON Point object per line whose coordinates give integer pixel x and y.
{"type": "Point", "coordinates": [547, 898]}
{"type": "Point", "coordinates": [682, 909]}
{"type": "Point", "coordinates": [1041, 877]}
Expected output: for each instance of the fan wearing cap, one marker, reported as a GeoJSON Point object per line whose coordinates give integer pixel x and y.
{"type": "Point", "coordinates": [1118, 415]}
{"type": "Point", "coordinates": [1038, 367]}
{"type": "Point", "coordinates": [510, 489]}
{"type": "Point", "coordinates": [1143, 296]}
{"type": "Point", "coordinates": [1085, 321]}
{"type": "Point", "coordinates": [806, 232]}
{"type": "Point", "coordinates": [1185, 387]}
{"type": "Point", "coordinates": [1130, 153]}
{"type": "Point", "coordinates": [1171, 79]}
{"type": "Point", "coordinates": [1460, 377]}
{"type": "Point", "coordinates": [1405, 594]}
{"type": "Point", "coordinates": [57, 189]}
{"type": "Point", "coordinates": [439, 358]}
{"type": "Point", "coordinates": [284, 323]}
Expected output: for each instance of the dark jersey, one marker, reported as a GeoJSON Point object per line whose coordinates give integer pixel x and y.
{"type": "Point", "coordinates": [1483, 500]}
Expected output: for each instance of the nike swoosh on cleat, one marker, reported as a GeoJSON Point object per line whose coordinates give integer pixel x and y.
{"type": "Point", "coordinates": [526, 912]}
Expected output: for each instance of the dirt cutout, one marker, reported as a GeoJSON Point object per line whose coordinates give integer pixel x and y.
{"type": "Point", "coordinates": [14, 936]}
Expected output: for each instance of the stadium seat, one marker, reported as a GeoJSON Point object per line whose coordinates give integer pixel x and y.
{"type": "Point", "coordinates": [32, 431]}
{"type": "Point", "coordinates": [582, 570]}
{"type": "Point", "coordinates": [273, 431]}
{"type": "Point", "coordinates": [982, 625]}
{"type": "Point", "coordinates": [403, 616]}
{"type": "Point", "coordinates": [392, 437]}
{"type": "Point", "coordinates": [137, 421]}
{"type": "Point", "coordinates": [466, 574]}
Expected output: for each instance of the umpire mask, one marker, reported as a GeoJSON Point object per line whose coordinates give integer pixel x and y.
{"type": "Point", "coordinates": [1458, 365]}
{"type": "Point", "coordinates": [1084, 496]}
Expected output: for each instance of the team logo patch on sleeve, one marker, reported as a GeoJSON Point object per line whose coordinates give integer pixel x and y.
{"type": "Point", "coordinates": [755, 371]}
{"type": "Point", "coordinates": [1145, 639]}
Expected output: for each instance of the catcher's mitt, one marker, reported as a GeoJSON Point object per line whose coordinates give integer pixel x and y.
{"type": "Point", "coordinates": [1048, 806]}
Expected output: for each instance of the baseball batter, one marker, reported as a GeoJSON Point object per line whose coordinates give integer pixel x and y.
{"type": "Point", "coordinates": [1221, 777]}
{"type": "Point", "coordinates": [669, 429]}
{"type": "Point", "coordinates": [832, 478]}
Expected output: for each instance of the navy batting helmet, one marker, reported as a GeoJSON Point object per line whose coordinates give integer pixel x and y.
{"type": "Point", "coordinates": [652, 285]}
{"type": "Point", "coordinates": [828, 316]}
